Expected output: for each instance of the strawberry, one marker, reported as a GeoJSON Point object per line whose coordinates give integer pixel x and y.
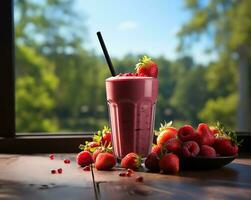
{"type": "Point", "coordinates": [84, 158]}
{"type": "Point", "coordinates": [132, 161]}
{"type": "Point", "coordinates": [186, 133]}
{"type": "Point", "coordinates": [152, 162]}
{"type": "Point", "coordinates": [166, 132]}
{"type": "Point", "coordinates": [95, 154]}
{"type": "Point", "coordinates": [225, 147]}
{"type": "Point", "coordinates": [105, 161]}
{"type": "Point", "coordinates": [100, 139]}
{"type": "Point", "coordinates": [214, 130]}
{"type": "Point", "coordinates": [100, 150]}
{"type": "Point", "coordinates": [174, 145]}
{"type": "Point", "coordinates": [106, 138]}
{"type": "Point", "coordinates": [156, 149]}
{"type": "Point", "coordinates": [169, 163]}
{"type": "Point", "coordinates": [190, 149]}
{"type": "Point", "coordinates": [147, 67]}
{"type": "Point", "coordinates": [205, 136]}
{"type": "Point", "coordinates": [89, 146]}
{"type": "Point", "coordinates": [226, 143]}
{"type": "Point", "coordinates": [207, 151]}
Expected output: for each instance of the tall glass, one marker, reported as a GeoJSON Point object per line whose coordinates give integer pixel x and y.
{"type": "Point", "coordinates": [131, 101]}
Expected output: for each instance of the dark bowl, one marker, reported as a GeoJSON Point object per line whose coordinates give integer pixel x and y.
{"type": "Point", "coordinates": [204, 163]}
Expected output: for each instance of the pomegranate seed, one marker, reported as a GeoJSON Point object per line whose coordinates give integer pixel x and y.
{"type": "Point", "coordinates": [67, 161]}
{"type": "Point", "coordinates": [53, 171]}
{"type": "Point", "coordinates": [128, 174]}
{"type": "Point", "coordinates": [51, 156]}
{"type": "Point", "coordinates": [123, 174]}
{"type": "Point", "coordinates": [86, 168]}
{"type": "Point", "coordinates": [60, 170]}
{"type": "Point", "coordinates": [130, 171]}
{"type": "Point", "coordinates": [139, 179]}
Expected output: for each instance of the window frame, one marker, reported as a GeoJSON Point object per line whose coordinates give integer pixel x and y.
{"type": "Point", "coordinates": [25, 143]}
{"type": "Point", "coordinates": [39, 143]}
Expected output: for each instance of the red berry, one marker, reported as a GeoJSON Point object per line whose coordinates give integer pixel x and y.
{"type": "Point", "coordinates": [146, 67]}
{"type": "Point", "coordinates": [93, 144]}
{"type": "Point", "coordinates": [53, 171]}
{"type": "Point", "coordinates": [207, 151]}
{"type": "Point", "coordinates": [123, 174]}
{"type": "Point", "coordinates": [225, 147]}
{"type": "Point", "coordinates": [130, 170]}
{"type": "Point", "coordinates": [84, 158]}
{"type": "Point", "coordinates": [157, 149]}
{"type": "Point", "coordinates": [60, 170]}
{"type": "Point", "coordinates": [51, 156]}
{"type": "Point", "coordinates": [128, 174]}
{"type": "Point", "coordinates": [142, 71]}
{"type": "Point", "coordinates": [169, 163]}
{"type": "Point", "coordinates": [87, 168]}
{"type": "Point", "coordinates": [67, 161]}
{"type": "Point", "coordinates": [105, 161]}
{"type": "Point", "coordinates": [106, 139]}
{"type": "Point", "coordinates": [186, 133]}
{"type": "Point", "coordinates": [132, 161]}
{"type": "Point", "coordinates": [95, 154]}
{"type": "Point", "coordinates": [166, 134]}
{"type": "Point", "coordinates": [153, 70]}
{"type": "Point", "coordinates": [190, 149]}
{"type": "Point", "coordinates": [205, 136]}
{"type": "Point", "coordinates": [139, 179]}
{"type": "Point", "coordinates": [174, 145]}
{"type": "Point", "coordinates": [214, 130]}
{"type": "Point", "coordinates": [141, 74]}
{"type": "Point", "coordinates": [152, 162]}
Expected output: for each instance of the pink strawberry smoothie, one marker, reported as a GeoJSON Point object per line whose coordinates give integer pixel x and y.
{"type": "Point", "coordinates": [131, 101]}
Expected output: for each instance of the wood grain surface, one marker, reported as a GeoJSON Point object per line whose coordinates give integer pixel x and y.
{"type": "Point", "coordinates": [29, 177]}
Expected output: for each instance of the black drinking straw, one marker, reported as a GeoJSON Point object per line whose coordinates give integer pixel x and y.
{"type": "Point", "coordinates": [107, 57]}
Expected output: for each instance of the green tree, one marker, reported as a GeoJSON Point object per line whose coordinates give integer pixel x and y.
{"type": "Point", "coordinates": [190, 94]}
{"type": "Point", "coordinates": [34, 92]}
{"type": "Point", "coordinates": [228, 23]}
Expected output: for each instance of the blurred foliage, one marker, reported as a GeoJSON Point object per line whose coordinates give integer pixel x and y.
{"type": "Point", "coordinates": [228, 24]}
{"type": "Point", "coordinates": [35, 88]}
{"type": "Point", "coordinates": [60, 85]}
{"type": "Point", "coordinates": [221, 109]}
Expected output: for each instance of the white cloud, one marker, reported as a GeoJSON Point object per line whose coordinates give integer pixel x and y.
{"type": "Point", "coordinates": [127, 25]}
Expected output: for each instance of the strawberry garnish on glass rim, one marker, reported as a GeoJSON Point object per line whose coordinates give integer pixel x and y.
{"type": "Point", "coordinates": [147, 67]}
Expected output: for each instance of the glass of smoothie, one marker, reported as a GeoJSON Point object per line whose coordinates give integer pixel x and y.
{"type": "Point", "coordinates": [131, 101]}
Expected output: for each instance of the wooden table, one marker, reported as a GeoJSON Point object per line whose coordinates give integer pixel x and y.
{"type": "Point", "coordinates": [28, 177]}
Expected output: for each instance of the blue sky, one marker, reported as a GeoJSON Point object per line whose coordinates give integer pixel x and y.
{"type": "Point", "coordinates": [138, 26]}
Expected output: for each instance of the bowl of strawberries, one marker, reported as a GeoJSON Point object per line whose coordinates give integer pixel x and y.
{"type": "Point", "coordinates": [206, 147]}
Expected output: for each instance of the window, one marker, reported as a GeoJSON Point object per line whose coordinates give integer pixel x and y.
{"type": "Point", "coordinates": [60, 70]}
